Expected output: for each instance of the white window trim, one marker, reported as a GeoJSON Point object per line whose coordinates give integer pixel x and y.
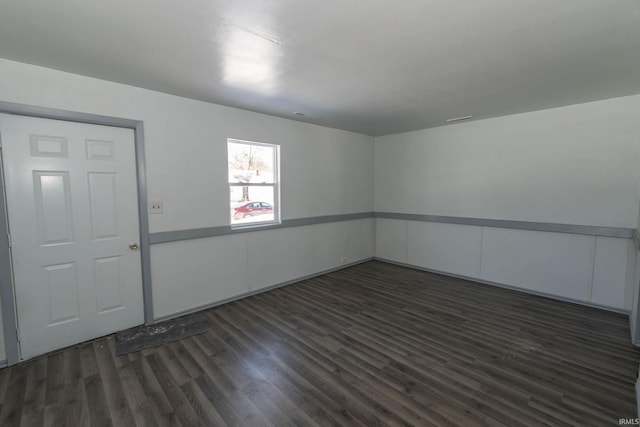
{"type": "Point", "coordinates": [276, 184]}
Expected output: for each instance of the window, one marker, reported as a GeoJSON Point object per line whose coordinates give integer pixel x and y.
{"type": "Point", "coordinates": [253, 182]}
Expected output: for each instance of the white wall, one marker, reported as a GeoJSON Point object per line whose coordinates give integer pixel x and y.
{"type": "Point", "coordinates": [570, 165]}
{"type": "Point", "coordinates": [324, 172]}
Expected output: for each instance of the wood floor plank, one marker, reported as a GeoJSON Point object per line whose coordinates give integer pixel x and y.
{"type": "Point", "coordinates": [326, 347]}
{"type": "Point", "coordinates": [119, 410]}
{"type": "Point", "coordinates": [97, 401]}
{"type": "Point", "coordinates": [202, 406]}
{"type": "Point", "coordinates": [5, 375]}
{"type": "Point", "coordinates": [74, 393]}
{"type": "Point", "coordinates": [54, 415]}
{"type": "Point", "coordinates": [373, 344]}
{"type": "Point", "coordinates": [55, 378]}
{"type": "Point", "coordinates": [228, 375]}
{"type": "Point", "coordinates": [235, 408]}
{"type": "Point", "coordinates": [177, 371]}
{"type": "Point", "coordinates": [88, 363]}
{"type": "Point", "coordinates": [137, 399]}
{"type": "Point", "coordinates": [186, 359]}
{"type": "Point", "coordinates": [76, 407]}
{"type": "Point", "coordinates": [164, 414]}
{"type": "Point", "coordinates": [184, 412]}
{"type": "Point", "coordinates": [341, 370]}
{"type": "Point", "coordinates": [11, 413]}
{"type": "Point", "coordinates": [33, 404]}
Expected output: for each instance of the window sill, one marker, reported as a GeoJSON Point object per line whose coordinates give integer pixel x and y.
{"type": "Point", "coordinates": [255, 225]}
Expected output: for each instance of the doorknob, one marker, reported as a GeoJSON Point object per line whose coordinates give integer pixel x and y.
{"type": "Point", "coordinates": [133, 246]}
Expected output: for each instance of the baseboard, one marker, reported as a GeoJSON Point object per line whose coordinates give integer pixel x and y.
{"type": "Point", "coordinates": [3, 364]}
{"type": "Point", "coordinates": [510, 287]}
{"type": "Point", "coordinates": [256, 292]}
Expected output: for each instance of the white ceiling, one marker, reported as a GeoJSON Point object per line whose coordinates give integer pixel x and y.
{"type": "Point", "coordinates": [370, 66]}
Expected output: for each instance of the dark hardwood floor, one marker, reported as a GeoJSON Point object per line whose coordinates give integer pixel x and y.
{"type": "Point", "coordinates": [375, 344]}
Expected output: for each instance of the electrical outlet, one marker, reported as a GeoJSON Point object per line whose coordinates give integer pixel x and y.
{"type": "Point", "coordinates": [156, 206]}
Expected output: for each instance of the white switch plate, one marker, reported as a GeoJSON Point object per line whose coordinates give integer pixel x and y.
{"type": "Point", "coordinates": [156, 206]}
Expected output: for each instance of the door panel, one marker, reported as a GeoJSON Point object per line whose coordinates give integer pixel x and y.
{"type": "Point", "coordinates": [62, 283]}
{"type": "Point", "coordinates": [53, 207]}
{"type": "Point", "coordinates": [103, 197]}
{"type": "Point", "coordinates": [72, 206]}
{"type": "Point", "coordinates": [108, 284]}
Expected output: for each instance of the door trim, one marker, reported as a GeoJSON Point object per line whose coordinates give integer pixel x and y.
{"type": "Point", "coordinates": [6, 282]}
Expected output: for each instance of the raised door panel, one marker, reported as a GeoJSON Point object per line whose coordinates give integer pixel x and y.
{"type": "Point", "coordinates": [109, 284]}
{"type": "Point", "coordinates": [103, 195]}
{"type": "Point", "coordinates": [52, 193]}
{"type": "Point", "coordinates": [61, 284]}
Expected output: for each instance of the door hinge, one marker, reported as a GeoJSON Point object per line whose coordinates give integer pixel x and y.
{"type": "Point", "coordinates": [9, 239]}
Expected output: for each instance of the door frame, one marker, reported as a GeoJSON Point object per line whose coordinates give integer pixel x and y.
{"type": "Point", "coordinates": [7, 290]}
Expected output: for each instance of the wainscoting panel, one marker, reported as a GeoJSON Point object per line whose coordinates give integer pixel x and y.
{"type": "Point", "coordinates": [595, 270]}
{"type": "Point", "coordinates": [192, 273]}
{"type": "Point", "coordinates": [276, 256]}
{"type": "Point", "coordinates": [553, 263]}
{"type": "Point", "coordinates": [610, 272]}
{"type": "Point", "coordinates": [336, 243]}
{"type": "Point", "coordinates": [367, 238]}
{"type": "Point", "coordinates": [201, 272]}
{"type": "Point", "coordinates": [391, 239]}
{"type": "Point", "coordinates": [451, 248]}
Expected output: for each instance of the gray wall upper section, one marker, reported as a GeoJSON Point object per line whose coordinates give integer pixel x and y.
{"type": "Point", "coordinates": [571, 165]}
{"type": "Point", "coordinates": [324, 171]}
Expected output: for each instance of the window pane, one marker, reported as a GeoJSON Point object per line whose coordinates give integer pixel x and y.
{"type": "Point", "coordinates": [251, 204]}
{"type": "Point", "coordinates": [250, 163]}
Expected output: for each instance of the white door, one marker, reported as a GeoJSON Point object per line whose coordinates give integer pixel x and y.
{"type": "Point", "coordinates": [72, 204]}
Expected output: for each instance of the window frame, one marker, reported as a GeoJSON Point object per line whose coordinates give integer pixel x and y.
{"type": "Point", "coordinates": [275, 185]}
